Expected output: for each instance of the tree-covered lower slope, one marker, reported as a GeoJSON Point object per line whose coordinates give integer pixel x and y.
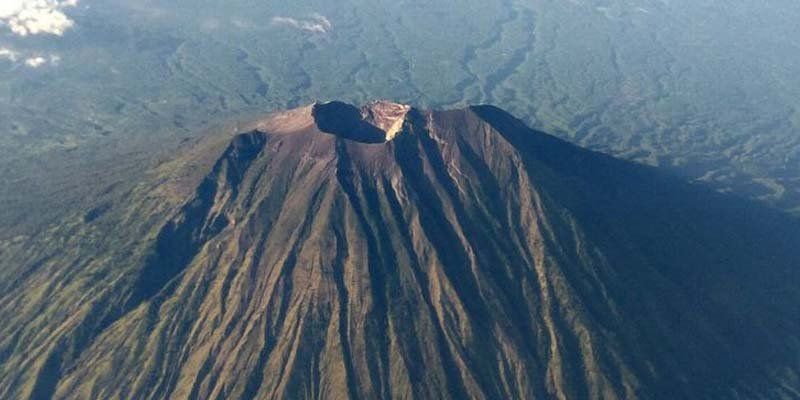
{"type": "Point", "coordinates": [468, 257]}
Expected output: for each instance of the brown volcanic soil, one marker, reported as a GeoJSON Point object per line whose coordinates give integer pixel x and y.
{"type": "Point", "coordinates": [466, 257]}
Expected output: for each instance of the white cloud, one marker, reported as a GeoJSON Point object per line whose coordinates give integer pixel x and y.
{"type": "Point", "coordinates": [322, 21]}
{"type": "Point", "coordinates": [316, 23]}
{"type": "Point", "coordinates": [241, 23]}
{"type": "Point", "coordinates": [28, 59]}
{"type": "Point", "coordinates": [32, 17]}
{"type": "Point", "coordinates": [35, 62]}
{"type": "Point", "coordinates": [39, 61]}
{"type": "Point", "coordinates": [8, 54]}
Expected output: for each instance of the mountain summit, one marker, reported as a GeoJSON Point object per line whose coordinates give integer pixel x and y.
{"type": "Point", "coordinates": [381, 252]}
{"type": "Point", "coordinates": [379, 121]}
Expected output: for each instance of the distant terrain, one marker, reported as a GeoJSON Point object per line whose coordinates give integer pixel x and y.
{"type": "Point", "coordinates": [708, 89]}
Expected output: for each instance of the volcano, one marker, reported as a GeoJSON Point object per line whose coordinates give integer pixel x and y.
{"type": "Point", "coordinates": [388, 252]}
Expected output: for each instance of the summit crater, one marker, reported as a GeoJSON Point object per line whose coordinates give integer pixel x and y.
{"type": "Point", "coordinates": [376, 122]}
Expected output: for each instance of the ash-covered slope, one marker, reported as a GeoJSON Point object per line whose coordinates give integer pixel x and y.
{"type": "Point", "coordinates": [387, 252]}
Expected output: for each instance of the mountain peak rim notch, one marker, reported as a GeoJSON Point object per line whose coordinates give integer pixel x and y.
{"type": "Point", "coordinates": [376, 122]}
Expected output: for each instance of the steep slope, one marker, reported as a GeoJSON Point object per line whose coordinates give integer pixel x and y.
{"type": "Point", "coordinates": [389, 252]}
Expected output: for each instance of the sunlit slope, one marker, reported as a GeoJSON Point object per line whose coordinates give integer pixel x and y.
{"type": "Point", "coordinates": [467, 257]}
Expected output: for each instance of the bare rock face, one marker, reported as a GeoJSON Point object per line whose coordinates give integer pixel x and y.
{"type": "Point", "coordinates": [387, 252]}
{"type": "Point", "coordinates": [387, 116]}
{"type": "Point", "coordinates": [377, 122]}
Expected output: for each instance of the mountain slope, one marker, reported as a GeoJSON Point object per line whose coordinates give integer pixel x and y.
{"type": "Point", "coordinates": [466, 257]}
